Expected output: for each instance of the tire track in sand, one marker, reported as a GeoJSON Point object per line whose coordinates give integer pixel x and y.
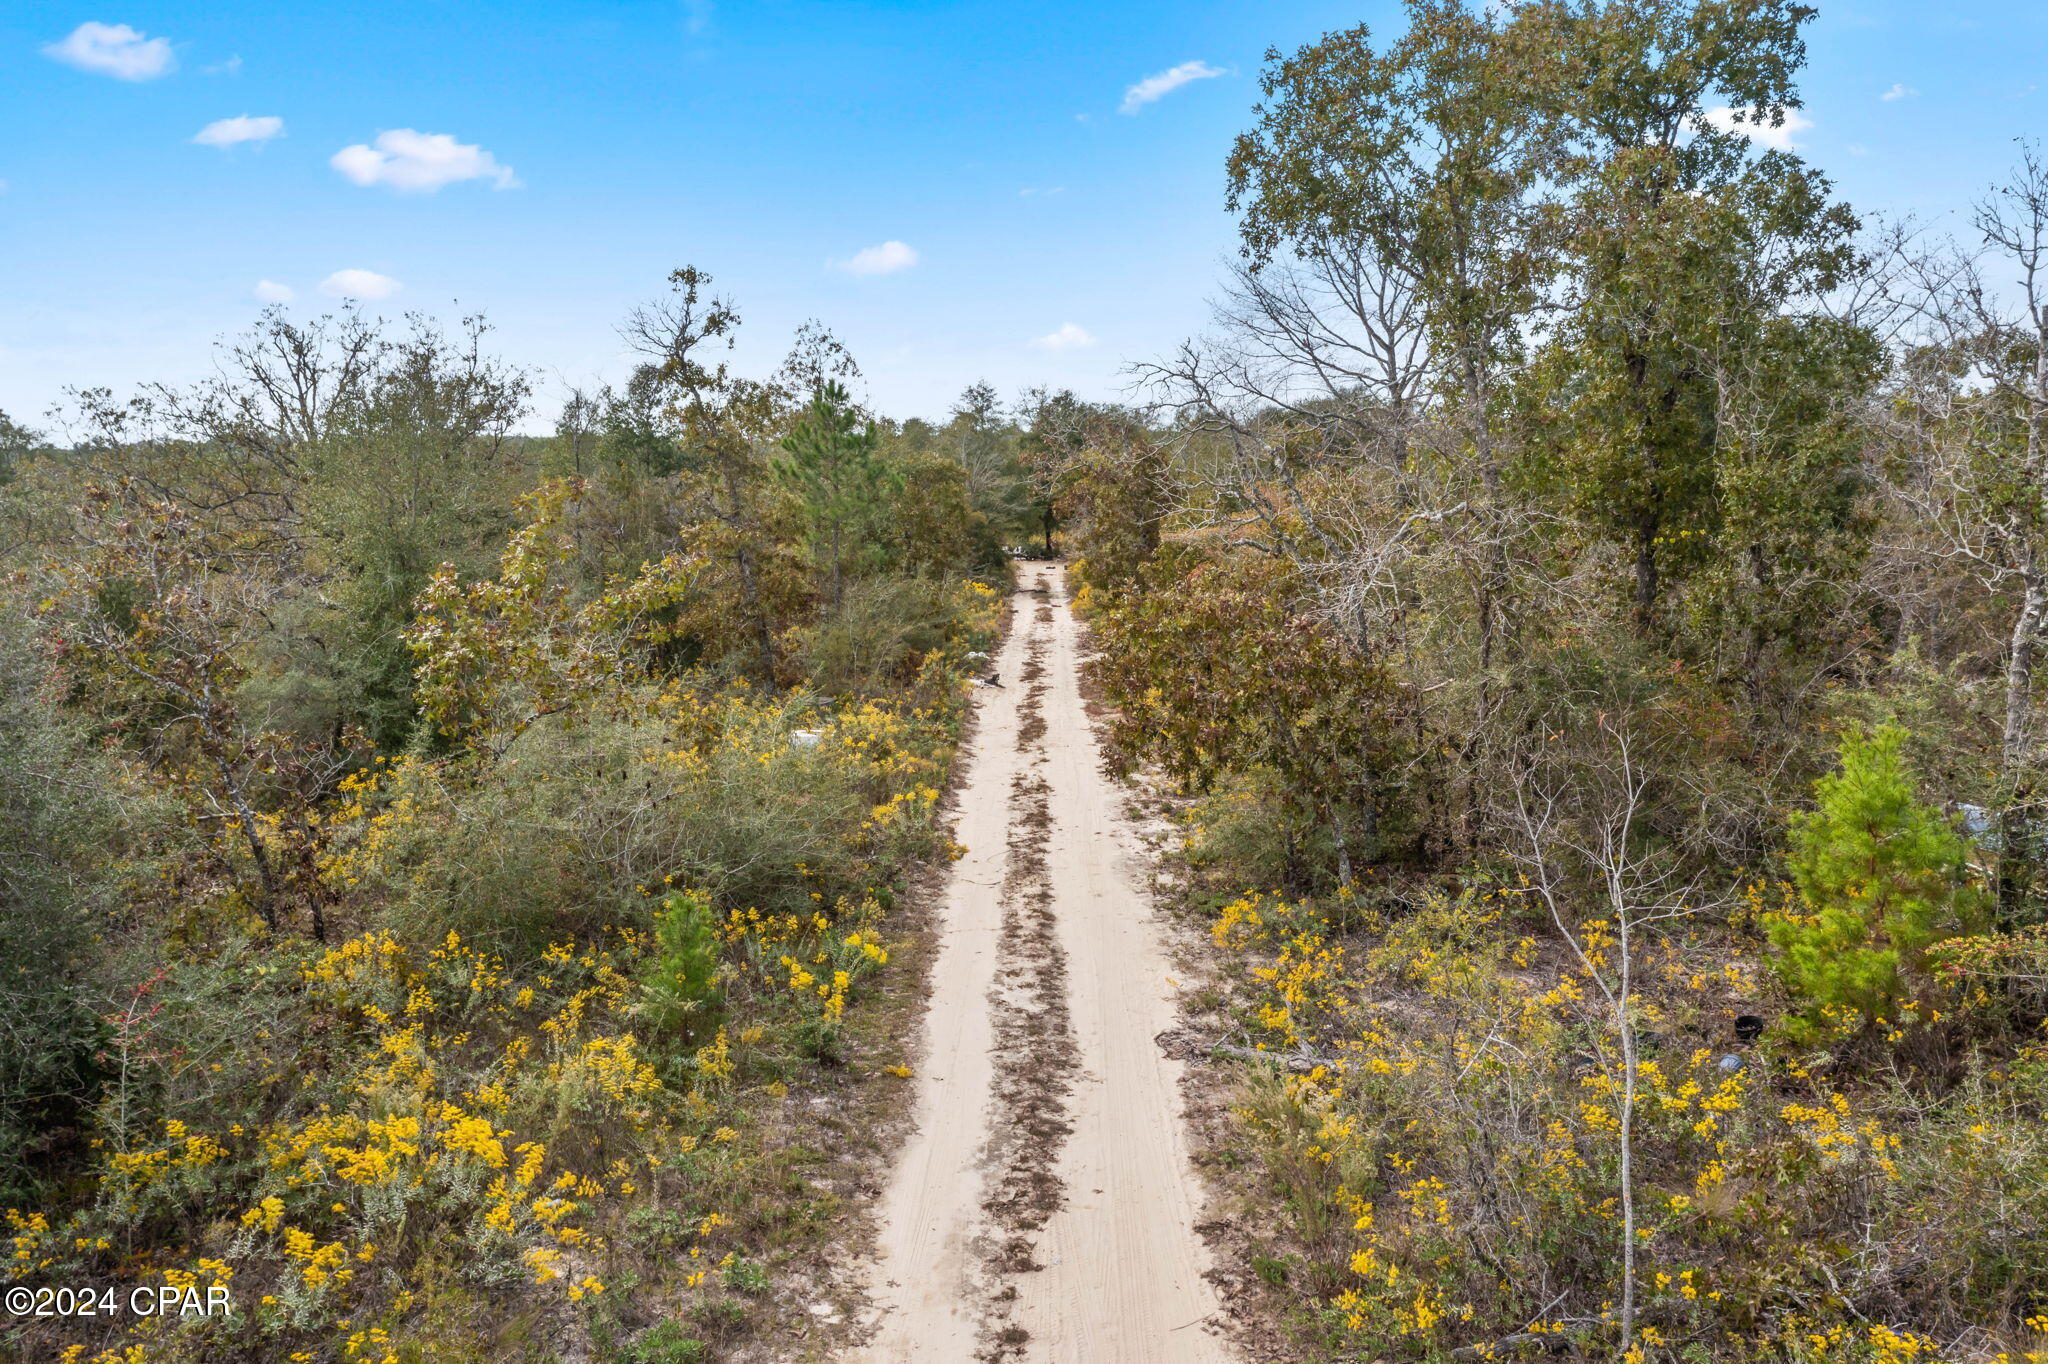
{"type": "Point", "coordinates": [1044, 1209]}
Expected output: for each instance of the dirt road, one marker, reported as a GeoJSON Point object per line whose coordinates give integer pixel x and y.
{"type": "Point", "coordinates": [1044, 1208]}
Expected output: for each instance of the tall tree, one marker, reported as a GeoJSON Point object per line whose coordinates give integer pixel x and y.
{"type": "Point", "coordinates": [1680, 242]}
{"type": "Point", "coordinates": [832, 465]}
{"type": "Point", "coordinates": [724, 425]}
{"type": "Point", "coordinates": [1410, 181]}
{"type": "Point", "coordinates": [985, 443]}
{"type": "Point", "coordinates": [418, 470]}
{"type": "Point", "coordinates": [1399, 231]}
{"type": "Point", "coordinates": [1055, 432]}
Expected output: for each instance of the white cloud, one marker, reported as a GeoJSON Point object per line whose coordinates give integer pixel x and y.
{"type": "Point", "coordinates": [885, 259]}
{"type": "Point", "coordinates": [231, 67]}
{"type": "Point", "coordinates": [114, 50]}
{"type": "Point", "coordinates": [421, 162]}
{"type": "Point", "coordinates": [1165, 83]}
{"type": "Point", "coordinates": [1899, 90]}
{"type": "Point", "coordinates": [226, 132]}
{"type": "Point", "coordinates": [270, 291]}
{"type": "Point", "coordinates": [359, 284]}
{"type": "Point", "coordinates": [1763, 134]}
{"type": "Point", "coordinates": [1068, 337]}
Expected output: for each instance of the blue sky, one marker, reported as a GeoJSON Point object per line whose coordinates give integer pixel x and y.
{"type": "Point", "coordinates": [604, 142]}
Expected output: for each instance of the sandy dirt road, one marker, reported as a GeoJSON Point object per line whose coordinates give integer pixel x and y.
{"type": "Point", "coordinates": [1044, 1208]}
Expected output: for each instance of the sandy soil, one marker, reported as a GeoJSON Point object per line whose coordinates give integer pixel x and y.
{"type": "Point", "coordinates": [1044, 1208]}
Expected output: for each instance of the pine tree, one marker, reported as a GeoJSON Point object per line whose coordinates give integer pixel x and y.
{"type": "Point", "coordinates": [833, 467]}
{"type": "Point", "coordinates": [681, 984]}
{"type": "Point", "coordinates": [1883, 877]}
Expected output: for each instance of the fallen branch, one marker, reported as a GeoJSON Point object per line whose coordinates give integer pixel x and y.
{"type": "Point", "coordinates": [1299, 1062]}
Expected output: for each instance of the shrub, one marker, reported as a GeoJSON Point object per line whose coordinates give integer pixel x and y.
{"type": "Point", "coordinates": [59, 823]}
{"type": "Point", "coordinates": [1883, 878]}
{"type": "Point", "coordinates": [1437, 1142]}
{"type": "Point", "coordinates": [1245, 826]}
{"type": "Point", "coordinates": [884, 629]}
{"type": "Point", "coordinates": [575, 821]}
{"type": "Point", "coordinates": [668, 1343]}
{"type": "Point", "coordinates": [1215, 673]}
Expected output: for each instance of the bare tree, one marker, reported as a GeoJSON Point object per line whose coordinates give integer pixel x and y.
{"type": "Point", "coordinates": [1297, 419]}
{"type": "Point", "coordinates": [1973, 380]}
{"type": "Point", "coordinates": [1317, 373]}
{"type": "Point", "coordinates": [276, 393]}
{"type": "Point", "coordinates": [1582, 832]}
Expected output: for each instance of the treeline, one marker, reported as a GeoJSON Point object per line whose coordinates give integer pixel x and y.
{"type": "Point", "coordinates": [1587, 589]}
{"type": "Point", "coordinates": [446, 869]}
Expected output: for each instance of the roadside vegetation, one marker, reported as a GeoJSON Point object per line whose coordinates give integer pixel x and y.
{"type": "Point", "coordinates": [454, 879]}
{"type": "Point", "coordinates": [1583, 601]}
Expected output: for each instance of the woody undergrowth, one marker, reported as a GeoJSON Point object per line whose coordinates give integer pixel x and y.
{"type": "Point", "coordinates": [1440, 1130]}
{"type": "Point", "coordinates": [541, 1090]}
{"type": "Point", "coordinates": [1657, 1054]}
